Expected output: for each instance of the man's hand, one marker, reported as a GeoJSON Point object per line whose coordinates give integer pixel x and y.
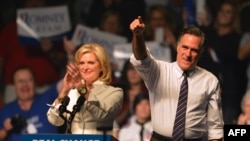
{"type": "Point", "coordinates": [137, 26]}
{"type": "Point", "coordinates": [7, 124]}
{"type": "Point", "coordinates": [138, 44]}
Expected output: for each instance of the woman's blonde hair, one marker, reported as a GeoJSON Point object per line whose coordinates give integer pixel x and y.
{"type": "Point", "coordinates": [101, 56]}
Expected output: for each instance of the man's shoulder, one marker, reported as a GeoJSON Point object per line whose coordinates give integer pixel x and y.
{"type": "Point", "coordinates": [10, 105]}
{"type": "Point", "coordinates": [206, 73]}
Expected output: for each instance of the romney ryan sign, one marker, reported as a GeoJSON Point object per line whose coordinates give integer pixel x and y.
{"type": "Point", "coordinates": [47, 22]}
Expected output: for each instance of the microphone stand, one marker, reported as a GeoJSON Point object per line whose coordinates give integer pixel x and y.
{"type": "Point", "coordinates": [63, 108]}
{"type": "Point", "coordinates": [76, 108]}
{"type": "Point", "coordinates": [68, 131]}
{"type": "Point", "coordinates": [104, 130]}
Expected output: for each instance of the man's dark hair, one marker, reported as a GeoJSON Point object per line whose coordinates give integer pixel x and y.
{"type": "Point", "coordinates": [138, 98]}
{"type": "Point", "coordinates": [23, 68]}
{"type": "Point", "coordinates": [196, 31]}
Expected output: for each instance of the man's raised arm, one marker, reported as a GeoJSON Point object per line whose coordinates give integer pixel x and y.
{"type": "Point", "coordinates": [139, 47]}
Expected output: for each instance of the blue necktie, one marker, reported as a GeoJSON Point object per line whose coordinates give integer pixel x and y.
{"type": "Point", "coordinates": [179, 124]}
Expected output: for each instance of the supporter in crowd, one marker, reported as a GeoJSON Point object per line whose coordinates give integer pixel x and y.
{"type": "Point", "coordinates": [98, 8]}
{"type": "Point", "coordinates": [27, 113]}
{"type": "Point", "coordinates": [157, 19]}
{"type": "Point", "coordinates": [139, 127]}
{"type": "Point", "coordinates": [80, 11]}
{"type": "Point", "coordinates": [175, 9]}
{"type": "Point", "coordinates": [244, 49]}
{"type": "Point", "coordinates": [111, 23]}
{"type": "Point", "coordinates": [244, 117]}
{"type": "Point", "coordinates": [132, 84]}
{"type": "Point", "coordinates": [46, 60]}
{"type": "Point", "coordinates": [223, 34]}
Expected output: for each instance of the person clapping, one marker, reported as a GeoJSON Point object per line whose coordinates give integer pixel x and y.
{"type": "Point", "coordinates": [89, 76]}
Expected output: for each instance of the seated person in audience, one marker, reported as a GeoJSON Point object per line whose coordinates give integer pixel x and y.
{"type": "Point", "coordinates": [139, 127]}
{"type": "Point", "coordinates": [27, 113]}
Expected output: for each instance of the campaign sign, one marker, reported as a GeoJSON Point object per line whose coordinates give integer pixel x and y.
{"type": "Point", "coordinates": [237, 132]}
{"type": "Point", "coordinates": [123, 52]}
{"type": "Point", "coordinates": [48, 22]}
{"type": "Point", "coordinates": [84, 34]}
{"type": "Point", "coordinates": [65, 137]}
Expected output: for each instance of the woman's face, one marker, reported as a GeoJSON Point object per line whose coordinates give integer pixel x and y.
{"type": "Point", "coordinates": [133, 76]}
{"type": "Point", "coordinates": [90, 67]}
{"type": "Point", "coordinates": [225, 15]}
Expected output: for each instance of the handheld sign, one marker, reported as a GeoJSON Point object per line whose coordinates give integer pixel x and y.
{"type": "Point", "coordinates": [84, 34]}
{"type": "Point", "coordinates": [47, 22]}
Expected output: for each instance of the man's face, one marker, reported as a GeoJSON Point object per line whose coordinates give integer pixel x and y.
{"type": "Point", "coordinates": [188, 51]}
{"type": "Point", "coordinates": [24, 85]}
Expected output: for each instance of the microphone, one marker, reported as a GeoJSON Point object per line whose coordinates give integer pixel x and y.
{"type": "Point", "coordinates": [63, 106]}
{"type": "Point", "coordinates": [79, 103]}
{"type": "Point", "coordinates": [77, 107]}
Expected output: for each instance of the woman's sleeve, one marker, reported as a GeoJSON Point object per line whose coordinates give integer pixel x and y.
{"type": "Point", "coordinates": [106, 106]}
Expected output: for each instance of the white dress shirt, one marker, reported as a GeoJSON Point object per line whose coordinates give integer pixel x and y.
{"type": "Point", "coordinates": [163, 80]}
